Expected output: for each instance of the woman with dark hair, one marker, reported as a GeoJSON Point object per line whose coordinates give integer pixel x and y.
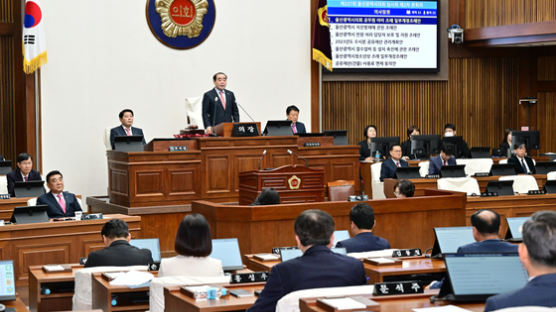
{"type": "Point", "coordinates": [193, 245]}
{"type": "Point", "coordinates": [365, 145]}
{"type": "Point", "coordinates": [406, 146]}
{"type": "Point", "coordinates": [268, 196]}
{"type": "Point", "coordinates": [506, 148]}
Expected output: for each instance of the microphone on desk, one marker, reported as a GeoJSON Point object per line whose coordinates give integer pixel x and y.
{"type": "Point", "coordinates": [261, 159]}
{"type": "Point", "coordinates": [299, 156]}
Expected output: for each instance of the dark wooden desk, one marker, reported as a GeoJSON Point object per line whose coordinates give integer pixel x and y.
{"type": "Point", "coordinates": [17, 304]}
{"type": "Point", "coordinates": [377, 273]}
{"type": "Point", "coordinates": [102, 293]}
{"type": "Point", "coordinates": [258, 265]}
{"type": "Point", "coordinates": [174, 300]}
{"type": "Point", "coordinates": [56, 300]}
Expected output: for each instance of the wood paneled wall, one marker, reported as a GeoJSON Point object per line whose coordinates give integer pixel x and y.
{"type": "Point", "coordinates": [480, 97]}
{"type": "Point", "coordinates": [488, 13]}
{"type": "Point", "coordinates": [546, 68]}
{"type": "Point", "coordinates": [546, 121]}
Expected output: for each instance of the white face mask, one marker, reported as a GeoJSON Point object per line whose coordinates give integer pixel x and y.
{"type": "Point", "coordinates": [448, 134]}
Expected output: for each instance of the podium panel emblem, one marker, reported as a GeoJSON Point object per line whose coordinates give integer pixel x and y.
{"type": "Point", "coordinates": [294, 182]}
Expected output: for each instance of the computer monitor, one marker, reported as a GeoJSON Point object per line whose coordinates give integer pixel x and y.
{"type": "Point", "coordinates": [449, 239]}
{"type": "Point", "coordinates": [152, 244]}
{"type": "Point", "coordinates": [480, 152]}
{"type": "Point", "coordinates": [129, 143]}
{"type": "Point", "coordinates": [423, 146]}
{"type": "Point", "coordinates": [5, 167]}
{"type": "Point", "coordinates": [550, 186]}
{"type": "Point", "coordinates": [515, 226]}
{"type": "Point", "coordinates": [29, 188]}
{"type": "Point", "coordinates": [503, 188]}
{"type": "Point", "coordinates": [292, 253]}
{"type": "Point", "coordinates": [456, 143]}
{"type": "Point", "coordinates": [7, 280]}
{"type": "Point", "coordinates": [475, 277]}
{"type": "Point", "coordinates": [340, 236]}
{"type": "Point", "coordinates": [30, 214]}
{"type": "Point", "coordinates": [278, 128]}
{"type": "Point", "coordinates": [502, 170]}
{"type": "Point", "coordinates": [529, 138]}
{"type": "Point", "coordinates": [544, 167]}
{"type": "Point", "coordinates": [227, 251]}
{"type": "Point", "coordinates": [407, 173]}
{"type": "Point", "coordinates": [340, 136]}
{"type": "Point", "coordinates": [382, 144]}
{"type": "Point", "coordinates": [457, 171]}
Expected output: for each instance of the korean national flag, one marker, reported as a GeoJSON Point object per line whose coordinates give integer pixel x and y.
{"type": "Point", "coordinates": [34, 43]}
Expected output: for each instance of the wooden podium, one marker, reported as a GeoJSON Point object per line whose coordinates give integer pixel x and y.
{"type": "Point", "coordinates": [294, 183]}
{"type": "Point", "coordinates": [225, 129]}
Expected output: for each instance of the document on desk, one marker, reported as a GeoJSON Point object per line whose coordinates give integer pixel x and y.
{"type": "Point", "coordinates": [447, 308]}
{"type": "Point", "coordinates": [343, 303]}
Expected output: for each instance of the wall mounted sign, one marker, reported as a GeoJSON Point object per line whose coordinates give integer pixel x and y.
{"type": "Point", "coordinates": [181, 24]}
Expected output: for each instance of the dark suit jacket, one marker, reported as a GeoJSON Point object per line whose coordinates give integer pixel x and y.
{"type": "Point", "coordinates": [489, 245]}
{"type": "Point", "coordinates": [504, 147]}
{"type": "Point", "coordinates": [364, 150]}
{"type": "Point", "coordinates": [365, 241]}
{"type": "Point", "coordinates": [54, 209]}
{"type": "Point", "coordinates": [119, 253]}
{"type": "Point", "coordinates": [541, 291]}
{"type": "Point", "coordinates": [15, 176]}
{"type": "Point", "coordinates": [214, 113]}
{"type": "Point", "coordinates": [389, 168]}
{"type": "Point", "coordinates": [318, 267]}
{"type": "Point", "coordinates": [436, 163]}
{"type": "Point", "coordinates": [517, 164]}
{"type": "Point", "coordinates": [300, 127]}
{"type": "Point", "coordinates": [119, 131]}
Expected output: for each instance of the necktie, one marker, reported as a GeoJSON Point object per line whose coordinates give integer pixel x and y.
{"type": "Point", "coordinates": [25, 178]}
{"type": "Point", "coordinates": [523, 166]}
{"type": "Point", "coordinates": [294, 129]}
{"type": "Point", "coordinates": [445, 163]}
{"type": "Point", "coordinates": [223, 99]}
{"type": "Point", "coordinates": [61, 202]}
{"type": "Point", "coordinates": [128, 131]}
{"type": "Point", "coordinates": [397, 164]}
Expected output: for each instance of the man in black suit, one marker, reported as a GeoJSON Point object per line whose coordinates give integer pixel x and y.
{"type": "Point", "coordinates": [125, 129]}
{"type": "Point", "coordinates": [390, 165]}
{"type": "Point", "coordinates": [523, 164]}
{"type": "Point", "coordinates": [538, 256]}
{"type": "Point", "coordinates": [118, 251]}
{"type": "Point", "coordinates": [292, 112]}
{"type": "Point", "coordinates": [219, 104]}
{"type": "Point", "coordinates": [362, 218]}
{"type": "Point", "coordinates": [462, 147]}
{"type": "Point", "coordinates": [318, 267]}
{"type": "Point", "coordinates": [445, 158]}
{"type": "Point", "coordinates": [23, 172]}
{"type": "Point", "coordinates": [60, 204]}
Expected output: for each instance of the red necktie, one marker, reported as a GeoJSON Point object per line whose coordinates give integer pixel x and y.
{"type": "Point", "coordinates": [294, 129]}
{"type": "Point", "coordinates": [445, 164]}
{"type": "Point", "coordinates": [25, 178]}
{"type": "Point", "coordinates": [61, 202]}
{"type": "Point", "coordinates": [397, 164]}
{"type": "Point", "coordinates": [223, 99]}
{"type": "Point", "coordinates": [128, 131]}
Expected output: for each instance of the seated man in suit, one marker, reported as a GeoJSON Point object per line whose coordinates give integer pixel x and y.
{"type": "Point", "coordinates": [404, 189]}
{"type": "Point", "coordinates": [390, 165]}
{"type": "Point", "coordinates": [318, 267]}
{"type": "Point", "coordinates": [292, 113]}
{"type": "Point", "coordinates": [125, 129]}
{"type": "Point", "coordinates": [362, 217]}
{"type": "Point", "coordinates": [486, 225]}
{"type": "Point", "coordinates": [445, 158]}
{"type": "Point", "coordinates": [60, 204]}
{"type": "Point", "coordinates": [538, 256]}
{"type": "Point", "coordinates": [23, 172]}
{"type": "Point", "coordinates": [219, 104]}
{"type": "Point", "coordinates": [523, 164]}
{"type": "Point", "coordinates": [118, 251]}
{"type": "Point", "coordinates": [463, 149]}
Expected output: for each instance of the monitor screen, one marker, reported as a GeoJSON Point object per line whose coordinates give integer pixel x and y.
{"type": "Point", "coordinates": [485, 274]}
{"type": "Point", "coordinates": [515, 225]}
{"type": "Point", "coordinates": [227, 251]}
{"type": "Point", "coordinates": [7, 280]}
{"type": "Point", "coordinates": [151, 244]}
{"type": "Point", "coordinates": [340, 236]}
{"type": "Point", "coordinates": [291, 253]}
{"type": "Point", "coordinates": [451, 238]}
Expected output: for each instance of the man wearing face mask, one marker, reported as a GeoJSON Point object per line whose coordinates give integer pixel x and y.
{"type": "Point", "coordinates": [462, 149]}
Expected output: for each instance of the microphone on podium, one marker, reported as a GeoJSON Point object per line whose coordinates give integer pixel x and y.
{"type": "Point", "coordinates": [299, 156]}
{"type": "Point", "coordinates": [261, 159]}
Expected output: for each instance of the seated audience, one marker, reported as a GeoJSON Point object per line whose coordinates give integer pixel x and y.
{"type": "Point", "coordinates": [60, 204]}
{"type": "Point", "coordinates": [23, 172]}
{"type": "Point", "coordinates": [390, 165]}
{"type": "Point", "coordinates": [404, 189]}
{"type": "Point", "coordinates": [292, 113]}
{"type": "Point", "coordinates": [118, 251]}
{"type": "Point", "coordinates": [365, 145]}
{"type": "Point", "coordinates": [463, 148]}
{"type": "Point", "coordinates": [362, 219]}
{"type": "Point", "coordinates": [406, 146]}
{"type": "Point", "coordinates": [538, 256]}
{"type": "Point", "coordinates": [523, 164]}
{"type": "Point", "coordinates": [268, 196]}
{"type": "Point", "coordinates": [486, 225]}
{"type": "Point", "coordinates": [506, 148]}
{"type": "Point", "coordinates": [193, 246]}
{"type": "Point", "coordinates": [445, 158]}
{"type": "Point", "coordinates": [125, 129]}
{"type": "Point", "coordinates": [318, 267]}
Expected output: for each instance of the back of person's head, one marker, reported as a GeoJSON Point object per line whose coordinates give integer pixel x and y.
{"type": "Point", "coordinates": [539, 236]}
{"type": "Point", "coordinates": [447, 149]}
{"type": "Point", "coordinates": [363, 216]}
{"type": "Point", "coordinates": [23, 156]}
{"type": "Point", "coordinates": [405, 187]}
{"type": "Point", "coordinates": [411, 129]}
{"type": "Point", "coordinates": [127, 110]}
{"type": "Point", "coordinates": [115, 228]}
{"type": "Point", "coordinates": [268, 196]}
{"type": "Point", "coordinates": [450, 126]}
{"type": "Point", "coordinates": [291, 108]}
{"type": "Point", "coordinates": [314, 227]}
{"type": "Point", "coordinates": [193, 237]}
{"type": "Point", "coordinates": [486, 221]}
{"type": "Point", "coordinates": [53, 173]}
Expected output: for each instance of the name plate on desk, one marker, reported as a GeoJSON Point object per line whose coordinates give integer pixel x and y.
{"type": "Point", "coordinates": [398, 288]}
{"type": "Point", "coordinates": [243, 278]}
{"type": "Point", "coordinates": [402, 253]}
{"type": "Point", "coordinates": [245, 130]}
{"type": "Point", "coordinates": [311, 144]}
{"type": "Point", "coordinates": [4, 196]}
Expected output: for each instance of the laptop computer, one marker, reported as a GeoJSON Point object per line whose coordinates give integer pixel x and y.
{"type": "Point", "coordinates": [30, 214]}
{"type": "Point", "coordinates": [227, 251]}
{"type": "Point", "coordinates": [340, 236]}
{"type": "Point", "coordinates": [449, 239]}
{"type": "Point", "coordinates": [7, 280]}
{"type": "Point", "coordinates": [515, 228]}
{"type": "Point", "coordinates": [292, 253]}
{"type": "Point", "coordinates": [502, 169]}
{"type": "Point", "coordinates": [29, 188]}
{"type": "Point", "coordinates": [5, 167]}
{"type": "Point", "coordinates": [152, 244]}
{"type": "Point", "coordinates": [278, 128]}
{"type": "Point", "coordinates": [407, 173]}
{"type": "Point", "coordinates": [130, 143]}
{"type": "Point", "coordinates": [544, 167]}
{"type": "Point", "coordinates": [475, 277]}
{"type": "Point", "coordinates": [340, 136]}
{"type": "Point", "coordinates": [503, 188]}
{"type": "Point", "coordinates": [457, 171]}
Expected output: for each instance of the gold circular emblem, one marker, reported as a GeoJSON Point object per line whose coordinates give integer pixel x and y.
{"type": "Point", "coordinates": [181, 17]}
{"type": "Point", "coordinates": [294, 182]}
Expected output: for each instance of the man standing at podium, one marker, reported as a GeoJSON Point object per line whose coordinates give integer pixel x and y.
{"type": "Point", "coordinates": [219, 104]}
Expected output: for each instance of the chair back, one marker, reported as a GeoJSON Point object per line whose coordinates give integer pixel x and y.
{"type": "Point", "coordinates": [551, 175]}
{"type": "Point", "coordinates": [3, 184]}
{"type": "Point", "coordinates": [474, 165]}
{"type": "Point", "coordinates": [377, 185]}
{"type": "Point", "coordinates": [468, 185]}
{"type": "Point", "coordinates": [503, 161]}
{"type": "Point", "coordinates": [424, 168]}
{"type": "Point", "coordinates": [340, 190]}
{"type": "Point", "coordinates": [107, 139]}
{"type": "Point", "coordinates": [522, 183]}
{"type": "Point", "coordinates": [32, 201]}
{"type": "Point", "coordinates": [194, 111]}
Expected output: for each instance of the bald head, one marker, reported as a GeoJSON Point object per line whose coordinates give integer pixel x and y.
{"type": "Point", "coordinates": [487, 222]}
